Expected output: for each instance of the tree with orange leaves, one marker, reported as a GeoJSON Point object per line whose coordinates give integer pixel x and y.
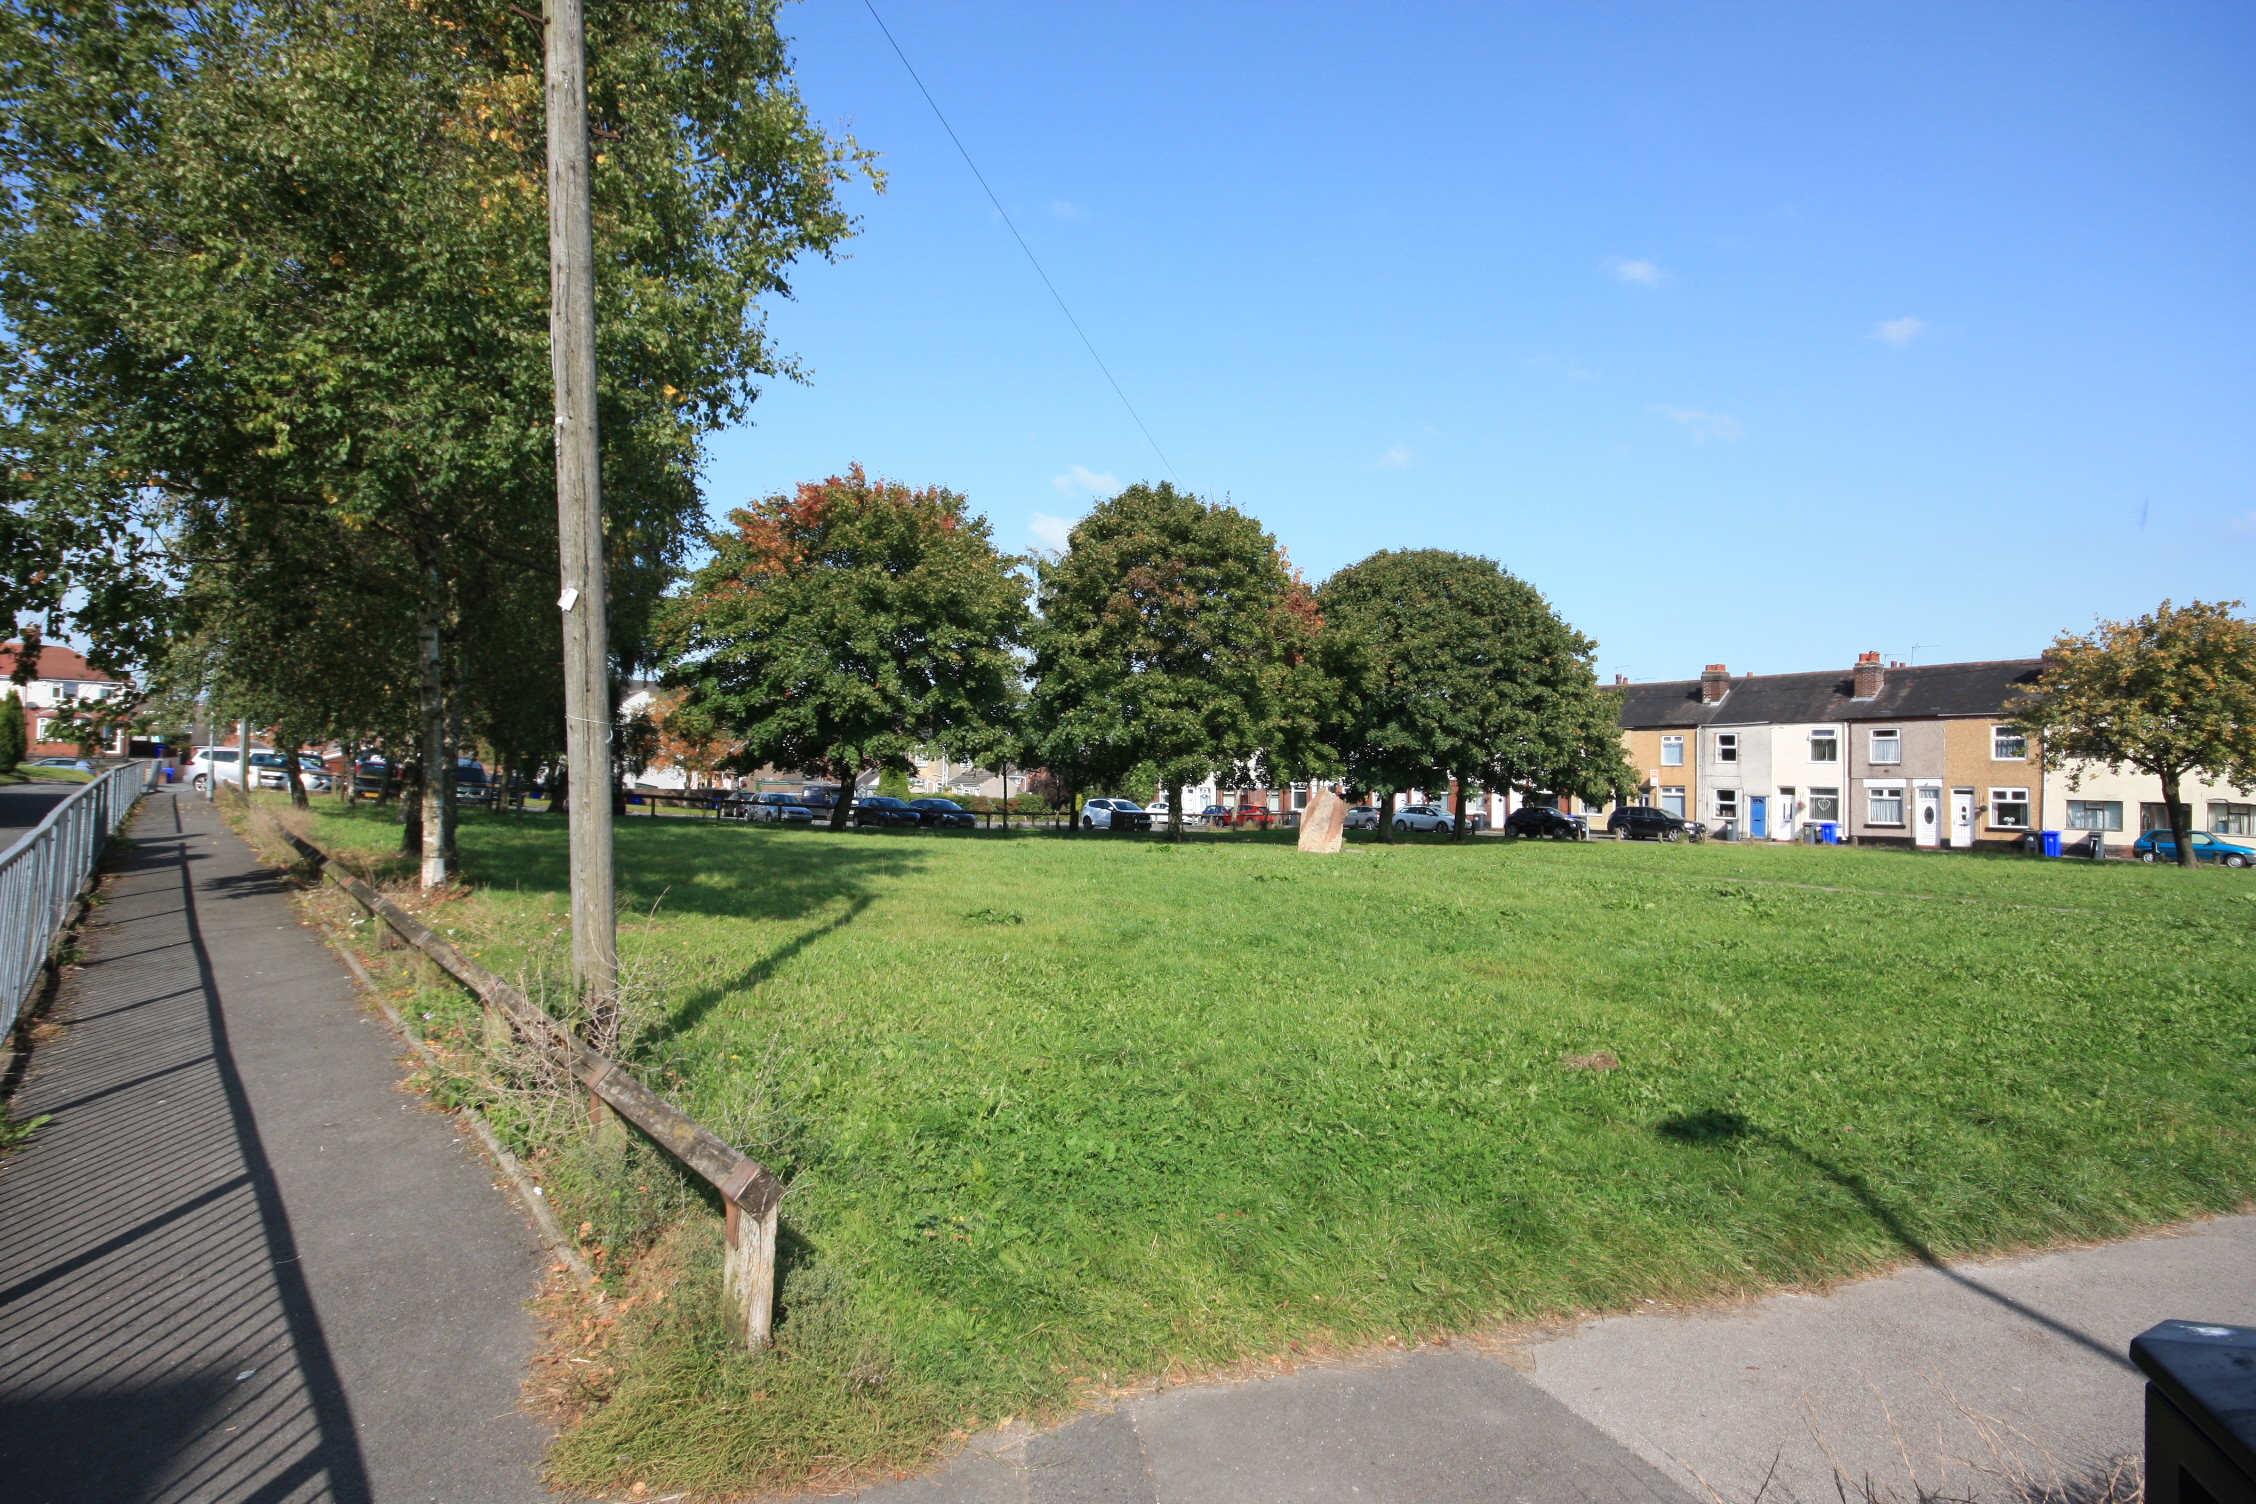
{"type": "Point", "coordinates": [844, 627]}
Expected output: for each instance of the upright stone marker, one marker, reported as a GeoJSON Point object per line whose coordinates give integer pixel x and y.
{"type": "Point", "coordinates": [1322, 822]}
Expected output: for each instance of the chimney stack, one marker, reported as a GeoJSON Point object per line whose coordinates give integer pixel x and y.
{"type": "Point", "coordinates": [1868, 676]}
{"type": "Point", "coordinates": [1621, 678]}
{"type": "Point", "coordinates": [1715, 683]}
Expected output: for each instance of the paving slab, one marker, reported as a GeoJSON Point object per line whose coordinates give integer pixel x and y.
{"type": "Point", "coordinates": [240, 1262]}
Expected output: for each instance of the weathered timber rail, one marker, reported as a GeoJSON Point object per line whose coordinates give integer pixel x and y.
{"type": "Point", "coordinates": [749, 1190]}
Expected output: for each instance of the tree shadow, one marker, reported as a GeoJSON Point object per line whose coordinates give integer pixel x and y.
{"type": "Point", "coordinates": [1708, 1127]}
{"type": "Point", "coordinates": [703, 1001]}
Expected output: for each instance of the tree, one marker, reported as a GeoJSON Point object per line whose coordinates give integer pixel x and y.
{"type": "Point", "coordinates": [1450, 670]}
{"type": "Point", "coordinates": [13, 743]}
{"type": "Point", "coordinates": [2172, 693]}
{"type": "Point", "coordinates": [272, 274]}
{"type": "Point", "coordinates": [845, 626]}
{"type": "Point", "coordinates": [1174, 639]}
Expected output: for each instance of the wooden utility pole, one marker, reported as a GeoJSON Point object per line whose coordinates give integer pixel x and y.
{"type": "Point", "coordinates": [579, 508]}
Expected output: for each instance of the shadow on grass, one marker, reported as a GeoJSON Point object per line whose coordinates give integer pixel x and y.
{"type": "Point", "coordinates": [703, 1001]}
{"type": "Point", "coordinates": [1709, 1127]}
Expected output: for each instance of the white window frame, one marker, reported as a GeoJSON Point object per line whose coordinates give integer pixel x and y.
{"type": "Point", "coordinates": [1894, 738]}
{"type": "Point", "coordinates": [1672, 800]}
{"type": "Point", "coordinates": [2000, 798]}
{"type": "Point", "coordinates": [1999, 737]}
{"type": "Point", "coordinates": [1833, 794]}
{"type": "Point", "coordinates": [1727, 746]}
{"type": "Point", "coordinates": [1831, 740]}
{"type": "Point", "coordinates": [1726, 803]}
{"type": "Point", "coordinates": [1875, 792]}
{"type": "Point", "coordinates": [2228, 819]}
{"type": "Point", "coordinates": [2108, 812]}
{"type": "Point", "coordinates": [1672, 744]}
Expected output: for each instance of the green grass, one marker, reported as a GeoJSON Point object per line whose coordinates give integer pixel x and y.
{"type": "Point", "coordinates": [1062, 1112]}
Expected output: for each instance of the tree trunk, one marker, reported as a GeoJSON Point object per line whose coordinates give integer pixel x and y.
{"type": "Point", "coordinates": [842, 809]}
{"type": "Point", "coordinates": [1174, 812]}
{"type": "Point", "coordinates": [1006, 796]}
{"type": "Point", "coordinates": [431, 697]}
{"type": "Point", "coordinates": [298, 799]}
{"type": "Point", "coordinates": [1386, 819]}
{"type": "Point", "coordinates": [2180, 836]}
{"type": "Point", "coordinates": [1457, 808]}
{"type": "Point", "coordinates": [411, 809]}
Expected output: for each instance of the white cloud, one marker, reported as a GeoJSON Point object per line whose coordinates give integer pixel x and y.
{"type": "Point", "coordinates": [1052, 533]}
{"type": "Point", "coordinates": [1396, 457]}
{"type": "Point", "coordinates": [1898, 331]}
{"type": "Point", "coordinates": [1702, 426]}
{"type": "Point", "coordinates": [1643, 273]}
{"type": "Point", "coordinates": [1080, 480]}
{"type": "Point", "coordinates": [1062, 208]}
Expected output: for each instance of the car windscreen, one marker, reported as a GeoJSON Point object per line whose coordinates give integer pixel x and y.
{"type": "Point", "coordinates": [1128, 806]}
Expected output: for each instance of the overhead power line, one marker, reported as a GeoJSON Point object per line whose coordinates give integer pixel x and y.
{"type": "Point", "coordinates": [1032, 259]}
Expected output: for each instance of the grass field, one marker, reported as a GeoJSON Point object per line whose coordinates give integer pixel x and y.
{"type": "Point", "coordinates": [1059, 1113]}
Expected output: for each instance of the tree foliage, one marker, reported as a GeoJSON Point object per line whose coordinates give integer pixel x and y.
{"type": "Point", "coordinates": [14, 744]}
{"type": "Point", "coordinates": [1174, 642]}
{"type": "Point", "coordinates": [849, 625]}
{"type": "Point", "coordinates": [2171, 693]}
{"type": "Point", "coordinates": [1447, 668]}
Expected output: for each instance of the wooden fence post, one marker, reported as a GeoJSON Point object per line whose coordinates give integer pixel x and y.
{"type": "Point", "coordinates": [748, 1270]}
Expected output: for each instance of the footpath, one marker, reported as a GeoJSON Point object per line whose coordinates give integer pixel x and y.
{"type": "Point", "coordinates": [240, 1263]}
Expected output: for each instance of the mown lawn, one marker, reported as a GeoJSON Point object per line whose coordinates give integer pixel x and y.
{"type": "Point", "coordinates": [1061, 1112]}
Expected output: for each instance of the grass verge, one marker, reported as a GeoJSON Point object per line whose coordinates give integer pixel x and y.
{"type": "Point", "coordinates": [1065, 1114]}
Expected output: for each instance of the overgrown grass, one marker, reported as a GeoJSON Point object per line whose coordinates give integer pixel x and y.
{"type": "Point", "coordinates": [1061, 1113]}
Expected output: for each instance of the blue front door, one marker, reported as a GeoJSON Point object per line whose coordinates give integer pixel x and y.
{"type": "Point", "coordinates": [1758, 817]}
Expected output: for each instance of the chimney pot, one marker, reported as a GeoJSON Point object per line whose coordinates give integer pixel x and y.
{"type": "Point", "coordinates": [1868, 676]}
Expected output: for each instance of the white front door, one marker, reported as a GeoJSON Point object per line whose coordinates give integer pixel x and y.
{"type": "Point", "coordinates": [1962, 818]}
{"type": "Point", "coordinates": [1927, 817]}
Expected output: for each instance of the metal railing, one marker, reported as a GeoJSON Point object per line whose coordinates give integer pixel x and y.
{"type": "Point", "coordinates": [42, 874]}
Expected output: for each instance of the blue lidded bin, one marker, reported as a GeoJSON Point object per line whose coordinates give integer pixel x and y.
{"type": "Point", "coordinates": [1830, 832]}
{"type": "Point", "coordinates": [2052, 843]}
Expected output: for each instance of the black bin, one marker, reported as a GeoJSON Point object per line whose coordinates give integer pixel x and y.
{"type": "Point", "coordinates": [2200, 1412]}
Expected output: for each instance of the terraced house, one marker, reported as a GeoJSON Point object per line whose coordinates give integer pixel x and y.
{"type": "Point", "coordinates": [1888, 753]}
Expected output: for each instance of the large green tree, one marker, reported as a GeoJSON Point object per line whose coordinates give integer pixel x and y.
{"type": "Point", "coordinates": [2171, 693]}
{"type": "Point", "coordinates": [276, 272]}
{"type": "Point", "coordinates": [1448, 669]}
{"type": "Point", "coordinates": [847, 626]}
{"type": "Point", "coordinates": [1173, 640]}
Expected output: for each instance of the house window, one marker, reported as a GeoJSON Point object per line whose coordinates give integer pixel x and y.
{"type": "Point", "coordinates": [2232, 819]}
{"type": "Point", "coordinates": [40, 735]}
{"type": "Point", "coordinates": [1825, 746]}
{"type": "Point", "coordinates": [2009, 745]}
{"type": "Point", "coordinates": [1727, 746]}
{"type": "Point", "coordinates": [1672, 801]}
{"type": "Point", "coordinates": [1300, 796]}
{"type": "Point", "coordinates": [1825, 804]}
{"type": "Point", "coordinates": [1884, 804]}
{"type": "Point", "coordinates": [1727, 804]}
{"type": "Point", "coordinates": [2156, 816]}
{"type": "Point", "coordinates": [2009, 809]}
{"type": "Point", "coordinates": [1887, 746]}
{"type": "Point", "coordinates": [2097, 814]}
{"type": "Point", "coordinates": [1672, 751]}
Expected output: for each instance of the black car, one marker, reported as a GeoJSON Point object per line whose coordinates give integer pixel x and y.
{"type": "Point", "coordinates": [884, 811]}
{"type": "Point", "coordinates": [1642, 822]}
{"type": "Point", "coordinates": [945, 813]}
{"type": "Point", "coordinates": [1533, 820]}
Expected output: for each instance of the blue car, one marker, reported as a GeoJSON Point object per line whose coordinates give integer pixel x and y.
{"type": "Point", "coordinates": [2156, 846]}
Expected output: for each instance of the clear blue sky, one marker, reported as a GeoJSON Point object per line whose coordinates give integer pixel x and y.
{"type": "Point", "coordinates": [1750, 334]}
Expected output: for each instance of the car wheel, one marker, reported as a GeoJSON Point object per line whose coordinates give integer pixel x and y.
{"type": "Point", "coordinates": [2148, 855]}
{"type": "Point", "coordinates": [199, 783]}
{"type": "Point", "coordinates": [1668, 835]}
{"type": "Point", "coordinates": [1087, 823]}
{"type": "Point", "coordinates": [2235, 859]}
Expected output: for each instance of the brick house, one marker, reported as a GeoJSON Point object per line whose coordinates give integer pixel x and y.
{"type": "Point", "coordinates": [64, 680]}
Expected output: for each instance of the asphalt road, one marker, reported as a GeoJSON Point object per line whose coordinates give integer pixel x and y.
{"type": "Point", "coordinates": [240, 1262]}
{"type": "Point", "coordinates": [24, 805]}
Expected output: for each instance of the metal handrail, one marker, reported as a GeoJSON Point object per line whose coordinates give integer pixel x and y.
{"type": "Point", "coordinates": [44, 872]}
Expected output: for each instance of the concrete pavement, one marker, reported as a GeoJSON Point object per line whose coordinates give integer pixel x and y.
{"type": "Point", "coordinates": [1998, 1381]}
{"type": "Point", "coordinates": [241, 1263]}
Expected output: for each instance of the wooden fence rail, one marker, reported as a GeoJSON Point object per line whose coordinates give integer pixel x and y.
{"type": "Point", "coordinates": [749, 1190]}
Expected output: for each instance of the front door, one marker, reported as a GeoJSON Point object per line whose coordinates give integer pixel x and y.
{"type": "Point", "coordinates": [1928, 831]}
{"type": "Point", "coordinates": [1758, 817]}
{"type": "Point", "coordinates": [1962, 818]}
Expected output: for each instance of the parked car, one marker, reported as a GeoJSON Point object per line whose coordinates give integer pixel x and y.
{"type": "Point", "coordinates": [943, 814]}
{"type": "Point", "coordinates": [1214, 816]}
{"type": "Point", "coordinates": [1423, 817]}
{"type": "Point", "coordinates": [1642, 822]}
{"type": "Point", "coordinates": [883, 810]}
{"type": "Point", "coordinates": [768, 809]}
{"type": "Point", "coordinates": [2160, 846]}
{"type": "Point", "coordinates": [1114, 814]}
{"type": "Point", "coordinates": [215, 765]}
{"type": "Point", "coordinates": [1362, 817]}
{"type": "Point", "coordinates": [1259, 816]}
{"type": "Point", "coordinates": [1535, 820]}
{"type": "Point", "coordinates": [51, 762]}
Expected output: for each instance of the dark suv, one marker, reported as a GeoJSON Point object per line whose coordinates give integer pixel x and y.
{"type": "Point", "coordinates": [1532, 820]}
{"type": "Point", "coordinates": [1642, 822]}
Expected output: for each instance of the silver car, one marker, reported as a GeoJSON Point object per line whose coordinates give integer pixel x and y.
{"type": "Point", "coordinates": [769, 808]}
{"type": "Point", "coordinates": [1423, 817]}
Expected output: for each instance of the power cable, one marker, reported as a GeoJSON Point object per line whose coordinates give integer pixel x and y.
{"type": "Point", "coordinates": [1032, 259]}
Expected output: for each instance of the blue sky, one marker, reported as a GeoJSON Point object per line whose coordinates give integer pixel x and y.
{"type": "Point", "coordinates": [1760, 335]}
